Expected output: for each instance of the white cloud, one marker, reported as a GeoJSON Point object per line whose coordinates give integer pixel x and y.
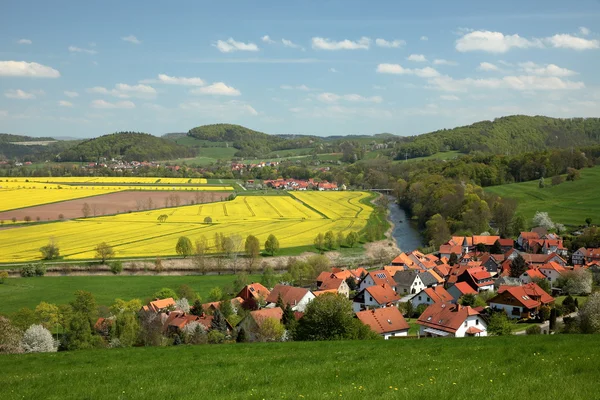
{"type": "Point", "coordinates": [218, 89]}
{"type": "Point", "coordinates": [28, 69]}
{"type": "Point", "coordinates": [64, 103]}
{"type": "Point", "coordinates": [416, 58]}
{"type": "Point", "coordinates": [333, 70]}
{"type": "Point", "coordinates": [131, 39]}
{"type": "Point", "coordinates": [397, 69]}
{"type": "Point", "coordinates": [24, 41]}
{"type": "Point", "coordinates": [584, 31]}
{"type": "Point", "coordinates": [440, 61]}
{"type": "Point", "coordinates": [545, 70]}
{"type": "Point", "coordinates": [19, 94]}
{"type": "Point", "coordinates": [424, 38]}
{"type": "Point", "coordinates": [289, 43]}
{"type": "Point", "coordinates": [303, 88]}
{"type": "Point", "coordinates": [226, 110]}
{"type": "Point", "coordinates": [390, 44]}
{"type": "Point", "coordinates": [521, 83]}
{"type": "Point", "coordinates": [334, 98]}
{"type": "Point", "coordinates": [175, 80]}
{"type": "Point", "coordinates": [267, 39]}
{"type": "Point", "coordinates": [70, 94]}
{"type": "Point", "coordinates": [565, 41]}
{"type": "Point", "coordinates": [486, 66]}
{"type": "Point", "coordinates": [74, 49]}
{"type": "Point", "coordinates": [319, 43]}
{"type": "Point", "coordinates": [493, 42]}
{"type": "Point", "coordinates": [449, 97]}
{"type": "Point", "coordinates": [231, 45]}
{"type": "Point", "coordinates": [125, 91]}
{"type": "Point", "coordinates": [101, 104]}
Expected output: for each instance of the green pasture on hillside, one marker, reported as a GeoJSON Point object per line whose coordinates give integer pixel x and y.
{"type": "Point", "coordinates": [514, 367]}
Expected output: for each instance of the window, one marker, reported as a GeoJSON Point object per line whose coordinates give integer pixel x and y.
{"type": "Point", "coordinates": [476, 322]}
{"type": "Point", "coordinates": [419, 297]}
{"type": "Point", "coordinates": [370, 298]}
{"type": "Point", "coordinates": [466, 323]}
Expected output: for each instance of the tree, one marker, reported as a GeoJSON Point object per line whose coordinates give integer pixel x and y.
{"type": "Point", "coordinates": [517, 266]}
{"type": "Point", "coordinates": [268, 277]}
{"type": "Point", "coordinates": [184, 247]}
{"type": "Point", "coordinates": [240, 281]}
{"type": "Point", "coordinates": [104, 251]}
{"type": "Point", "coordinates": [351, 282]}
{"type": "Point", "coordinates": [47, 314]}
{"type": "Point", "coordinates": [208, 220]}
{"type": "Point", "coordinates": [252, 248]}
{"type": "Point", "coordinates": [126, 329]}
{"type": "Point", "coordinates": [499, 325]}
{"type": "Point", "coordinates": [215, 294]}
{"type": "Point", "coordinates": [272, 245]}
{"type": "Point", "coordinates": [437, 230]}
{"type": "Point", "coordinates": [225, 308]}
{"type": "Point", "coordinates": [186, 292]}
{"type": "Point", "coordinates": [552, 324]}
{"type": "Point", "coordinates": [453, 259]}
{"type": "Point", "coordinates": [199, 259]}
{"type": "Point", "coordinates": [541, 183]}
{"type": "Point", "coordinates": [588, 221]}
{"type": "Point", "coordinates": [578, 282]}
{"type": "Point", "coordinates": [3, 276]}
{"type": "Point", "coordinates": [182, 304]}
{"type": "Point", "coordinates": [50, 251]}
{"type": "Point", "coordinates": [78, 334]}
{"type": "Point", "coordinates": [589, 314]}
{"type": "Point", "coordinates": [543, 284]}
{"type": "Point", "coordinates": [162, 218]}
{"type": "Point", "coordinates": [165, 293]}
{"type": "Point", "coordinates": [319, 242]}
{"type": "Point", "coordinates": [288, 318]}
{"type": "Point", "coordinates": [197, 308]}
{"type": "Point", "coordinates": [544, 313]}
{"type": "Point", "coordinates": [518, 224]}
{"type": "Point", "coordinates": [542, 219]}
{"type": "Point", "coordinates": [339, 240]}
{"type": "Point", "coordinates": [270, 330]}
{"type": "Point", "coordinates": [86, 210]}
{"type": "Point", "coordinates": [468, 299]}
{"type": "Point", "coordinates": [327, 317]}
{"type": "Point", "coordinates": [10, 337]}
{"type": "Point", "coordinates": [218, 322]}
{"type": "Point", "coordinates": [557, 180]}
{"type": "Point", "coordinates": [351, 239]}
{"type": "Point", "coordinates": [329, 240]}
{"type": "Point", "coordinates": [242, 336]}
{"type": "Point", "coordinates": [496, 248]}
{"type": "Point", "coordinates": [573, 174]}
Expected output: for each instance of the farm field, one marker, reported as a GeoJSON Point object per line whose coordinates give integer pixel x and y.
{"type": "Point", "coordinates": [569, 203]}
{"type": "Point", "coordinates": [29, 292]}
{"type": "Point", "coordinates": [21, 198]}
{"type": "Point", "coordinates": [140, 234]}
{"type": "Point", "coordinates": [111, 203]}
{"type": "Point", "coordinates": [111, 179]}
{"type": "Point", "coordinates": [438, 369]}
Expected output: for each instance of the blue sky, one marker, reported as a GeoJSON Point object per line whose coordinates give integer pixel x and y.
{"type": "Point", "coordinates": [89, 68]}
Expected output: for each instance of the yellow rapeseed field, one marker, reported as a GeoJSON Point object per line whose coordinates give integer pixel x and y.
{"type": "Point", "coordinates": [294, 220]}
{"type": "Point", "coordinates": [114, 179]}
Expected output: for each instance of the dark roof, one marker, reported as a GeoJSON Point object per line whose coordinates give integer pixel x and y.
{"type": "Point", "coordinates": [427, 278]}
{"type": "Point", "coordinates": [405, 278]}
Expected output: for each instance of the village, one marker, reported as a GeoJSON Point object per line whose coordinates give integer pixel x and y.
{"type": "Point", "coordinates": [452, 293]}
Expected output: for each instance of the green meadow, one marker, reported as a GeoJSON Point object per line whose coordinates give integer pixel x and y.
{"type": "Point", "coordinates": [569, 203]}
{"type": "Point", "coordinates": [525, 367]}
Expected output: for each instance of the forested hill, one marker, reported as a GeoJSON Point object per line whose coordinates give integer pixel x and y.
{"type": "Point", "coordinates": [9, 138]}
{"type": "Point", "coordinates": [251, 143]}
{"type": "Point", "coordinates": [128, 146]}
{"type": "Point", "coordinates": [513, 134]}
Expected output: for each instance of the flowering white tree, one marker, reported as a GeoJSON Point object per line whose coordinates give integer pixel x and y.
{"type": "Point", "coordinates": [542, 219]}
{"type": "Point", "coordinates": [590, 314]}
{"type": "Point", "coordinates": [38, 339]}
{"type": "Point", "coordinates": [192, 327]}
{"type": "Point", "coordinates": [183, 304]}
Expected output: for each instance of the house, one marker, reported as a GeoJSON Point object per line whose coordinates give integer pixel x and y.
{"type": "Point", "coordinates": [296, 297]}
{"type": "Point", "coordinates": [478, 278]}
{"type": "Point", "coordinates": [431, 295]}
{"type": "Point", "coordinates": [254, 291]}
{"type": "Point", "coordinates": [521, 301]}
{"type": "Point", "coordinates": [490, 263]}
{"type": "Point", "coordinates": [459, 289]}
{"type": "Point", "coordinates": [451, 320]}
{"type": "Point", "coordinates": [506, 244]}
{"type": "Point", "coordinates": [484, 240]}
{"type": "Point", "coordinates": [375, 297]}
{"type": "Point", "coordinates": [552, 271]}
{"type": "Point", "coordinates": [254, 320]}
{"type": "Point", "coordinates": [377, 278]}
{"type": "Point", "coordinates": [431, 278]}
{"type": "Point", "coordinates": [531, 274]}
{"type": "Point", "coordinates": [387, 322]}
{"type": "Point", "coordinates": [328, 281]}
{"type": "Point", "coordinates": [408, 282]}
{"type": "Point", "coordinates": [524, 237]}
{"type": "Point", "coordinates": [585, 256]}
{"type": "Point", "coordinates": [159, 305]}
{"type": "Point", "coordinates": [539, 259]}
{"type": "Point", "coordinates": [506, 281]}
{"type": "Point", "coordinates": [550, 246]}
{"type": "Point", "coordinates": [446, 250]}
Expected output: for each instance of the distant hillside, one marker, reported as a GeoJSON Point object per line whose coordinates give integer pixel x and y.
{"type": "Point", "coordinates": [251, 143]}
{"type": "Point", "coordinates": [39, 151]}
{"type": "Point", "coordinates": [128, 146]}
{"type": "Point", "coordinates": [513, 134]}
{"type": "Point", "coordinates": [9, 138]}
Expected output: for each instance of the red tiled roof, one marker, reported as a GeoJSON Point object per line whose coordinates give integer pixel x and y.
{"type": "Point", "coordinates": [159, 304]}
{"type": "Point", "coordinates": [383, 320]}
{"type": "Point", "coordinates": [530, 235]}
{"type": "Point", "coordinates": [385, 279]}
{"type": "Point", "coordinates": [438, 294]}
{"type": "Point", "coordinates": [464, 288]}
{"type": "Point", "coordinates": [534, 273]}
{"type": "Point", "coordinates": [254, 290]}
{"type": "Point", "coordinates": [472, 330]}
{"type": "Point", "coordinates": [484, 239]}
{"type": "Point", "coordinates": [554, 266]}
{"type": "Point", "coordinates": [445, 316]}
{"type": "Point", "coordinates": [289, 294]}
{"type": "Point", "coordinates": [322, 292]}
{"type": "Point", "coordinates": [506, 242]}
{"type": "Point", "coordinates": [383, 294]}
{"type": "Point", "coordinates": [530, 295]}
{"type": "Point", "coordinates": [260, 315]}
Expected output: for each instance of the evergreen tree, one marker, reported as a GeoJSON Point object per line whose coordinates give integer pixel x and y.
{"type": "Point", "coordinates": [553, 319]}
{"type": "Point", "coordinates": [225, 308]}
{"type": "Point", "coordinates": [518, 266]}
{"type": "Point", "coordinates": [496, 248]}
{"type": "Point", "coordinates": [218, 322]}
{"type": "Point", "coordinates": [280, 302]}
{"type": "Point", "coordinates": [197, 308]}
{"type": "Point", "coordinates": [453, 259]}
{"type": "Point", "coordinates": [288, 316]}
{"type": "Point", "coordinates": [242, 336]}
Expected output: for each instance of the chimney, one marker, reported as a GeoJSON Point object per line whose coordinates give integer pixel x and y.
{"type": "Point", "coordinates": [458, 307]}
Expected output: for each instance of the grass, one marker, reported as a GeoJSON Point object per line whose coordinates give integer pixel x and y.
{"type": "Point", "coordinates": [569, 203]}
{"type": "Point", "coordinates": [580, 300]}
{"type": "Point", "coordinates": [29, 292]}
{"type": "Point", "coordinates": [469, 368]}
{"type": "Point", "coordinates": [522, 326]}
{"type": "Point", "coordinates": [442, 155]}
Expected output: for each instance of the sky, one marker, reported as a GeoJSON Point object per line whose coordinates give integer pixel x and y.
{"type": "Point", "coordinates": [329, 67]}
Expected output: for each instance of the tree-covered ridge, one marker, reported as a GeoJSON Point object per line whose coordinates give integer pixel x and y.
{"type": "Point", "coordinates": [251, 143]}
{"type": "Point", "coordinates": [507, 135]}
{"type": "Point", "coordinates": [128, 146]}
{"type": "Point", "coordinates": [10, 138]}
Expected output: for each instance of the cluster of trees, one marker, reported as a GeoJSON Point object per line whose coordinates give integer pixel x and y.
{"type": "Point", "coordinates": [331, 241]}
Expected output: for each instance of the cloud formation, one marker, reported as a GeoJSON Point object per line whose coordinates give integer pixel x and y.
{"type": "Point", "coordinates": [131, 39]}
{"type": "Point", "coordinates": [19, 94]}
{"type": "Point", "coordinates": [267, 39]}
{"type": "Point", "coordinates": [217, 89]}
{"type": "Point", "coordinates": [545, 70]}
{"type": "Point", "coordinates": [390, 44]}
{"type": "Point", "coordinates": [521, 83]}
{"type": "Point", "coordinates": [74, 49]}
{"type": "Point", "coordinates": [565, 41]}
{"type": "Point", "coordinates": [125, 91]}
{"type": "Point", "coordinates": [441, 61]}
{"type": "Point", "coordinates": [416, 58]}
{"type": "Point", "coordinates": [398, 69]}
{"type": "Point", "coordinates": [487, 67]}
{"type": "Point", "coordinates": [231, 45]}
{"type": "Point", "coordinates": [175, 80]}
{"type": "Point", "coordinates": [102, 104]}
{"type": "Point", "coordinates": [334, 98]}
{"type": "Point", "coordinates": [27, 69]}
{"type": "Point", "coordinates": [319, 43]}
{"type": "Point", "coordinates": [497, 42]}
{"type": "Point", "coordinates": [24, 41]}
{"type": "Point", "coordinates": [64, 103]}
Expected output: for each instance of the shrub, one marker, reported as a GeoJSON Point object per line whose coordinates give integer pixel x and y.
{"type": "Point", "coordinates": [3, 276]}
{"type": "Point", "coordinates": [215, 337]}
{"type": "Point", "coordinates": [557, 180]}
{"type": "Point", "coordinates": [27, 271]}
{"type": "Point", "coordinates": [534, 330]}
{"type": "Point", "coordinates": [116, 267]}
{"type": "Point", "coordinates": [38, 339]}
{"type": "Point", "coordinates": [40, 269]}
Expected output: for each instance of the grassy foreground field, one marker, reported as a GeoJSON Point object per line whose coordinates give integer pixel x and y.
{"type": "Point", "coordinates": [534, 367]}
{"type": "Point", "coordinates": [569, 203]}
{"type": "Point", "coordinates": [29, 292]}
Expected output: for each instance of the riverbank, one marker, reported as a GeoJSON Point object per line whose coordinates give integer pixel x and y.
{"type": "Point", "coordinates": [404, 234]}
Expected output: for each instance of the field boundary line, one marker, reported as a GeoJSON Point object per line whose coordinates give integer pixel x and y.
{"type": "Point", "coordinates": [249, 208]}
{"type": "Point", "coordinates": [309, 206]}
{"type": "Point", "coordinates": [273, 207]}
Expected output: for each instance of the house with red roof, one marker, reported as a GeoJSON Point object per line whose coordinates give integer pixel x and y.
{"type": "Point", "coordinates": [524, 237]}
{"type": "Point", "coordinates": [377, 278]}
{"type": "Point", "coordinates": [552, 271]}
{"type": "Point", "coordinates": [387, 322]}
{"type": "Point", "coordinates": [459, 289]}
{"type": "Point", "coordinates": [520, 301]}
{"type": "Point", "coordinates": [531, 274]}
{"type": "Point", "coordinates": [585, 256]}
{"type": "Point", "coordinates": [550, 246]}
{"type": "Point", "coordinates": [431, 295]}
{"type": "Point", "coordinates": [159, 305]}
{"type": "Point", "coordinates": [254, 320]}
{"type": "Point", "coordinates": [377, 296]}
{"type": "Point", "coordinates": [255, 291]}
{"type": "Point", "coordinates": [451, 320]}
{"type": "Point", "coordinates": [478, 278]}
{"type": "Point", "coordinates": [297, 297]}
{"type": "Point", "coordinates": [329, 281]}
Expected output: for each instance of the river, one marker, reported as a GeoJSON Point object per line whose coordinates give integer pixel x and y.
{"type": "Point", "coordinates": [405, 233]}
